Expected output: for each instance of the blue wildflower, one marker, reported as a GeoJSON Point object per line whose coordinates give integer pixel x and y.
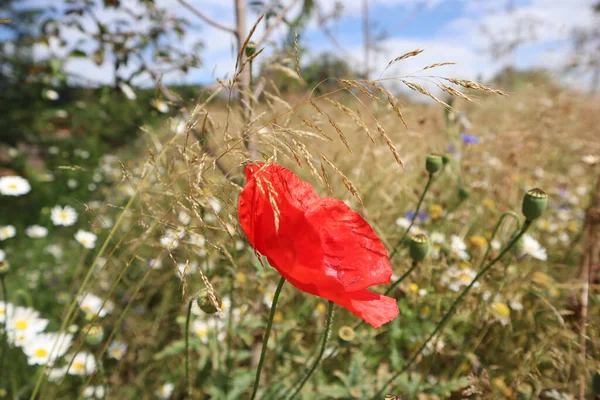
{"type": "Point", "coordinates": [469, 139]}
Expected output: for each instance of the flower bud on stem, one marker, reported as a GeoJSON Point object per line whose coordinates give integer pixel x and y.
{"type": "Point", "coordinates": [450, 312]}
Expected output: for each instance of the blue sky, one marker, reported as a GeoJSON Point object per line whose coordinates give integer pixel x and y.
{"type": "Point", "coordinates": [448, 30]}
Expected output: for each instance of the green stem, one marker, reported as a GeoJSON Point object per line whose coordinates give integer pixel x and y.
{"type": "Point", "coordinates": [415, 264]}
{"type": "Point", "coordinates": [504, 215]}
{"type": "Point", "coordinates": [412, 221]}
{"type": "Point", "coordinates": [323, 345]}
{"type": "Point", "coordinates": [449, 313]}
{"type": "Point", "coordinates": [187, 348]}
{"type": "Point", "coordinates": [4, 329]}
{"type": "Point", "coordinates": [228, 359]}
{"type": "Point", "coordinates": [266, 338]}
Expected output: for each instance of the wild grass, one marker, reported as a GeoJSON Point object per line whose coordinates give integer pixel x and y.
{"type": "Point", "coordinates": [173, 200]}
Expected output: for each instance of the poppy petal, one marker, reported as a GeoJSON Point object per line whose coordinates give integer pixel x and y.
{"type": "Point", "coordinates": [350, 246]}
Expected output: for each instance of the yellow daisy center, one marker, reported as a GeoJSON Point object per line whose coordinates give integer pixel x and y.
{"type": "Point", "coordinates": [78, 366]}
{"type": "Point", "coordinates": [12, 186]}
{"type": "Point", "coordinates": [21, 324]}
{"type": "Point", "coordinates": [41, 353]}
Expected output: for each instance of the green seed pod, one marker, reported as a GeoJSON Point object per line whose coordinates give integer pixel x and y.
{"type": "Point", "coordinates": [94, 335]}
{"type": "Point", "coordinates": [208, 301]}
{"type": "Point", "coordinates": [250, 49]}
{"type": "Point", "coordinates": [419, 247]}
{"type": "Point", "coordinates": [4, 268]}
{"type": "Point", "coordinates": [445, 159]}
{"type": "Point", "coordinates": [346, 334]}
{"type": "Point", "coordinates": [534, 203]}
{"type": "Point", "coordinates": [463, 193]}
{"type": "Point", "coordinates": [433, 163]}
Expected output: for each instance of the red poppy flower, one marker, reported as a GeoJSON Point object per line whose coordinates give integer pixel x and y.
{"type": "Point", "coordinates": [318, 244]}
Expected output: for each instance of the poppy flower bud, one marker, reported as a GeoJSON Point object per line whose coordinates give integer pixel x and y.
{"type": "Point", "coordinates": [433, 163]}
{"type": "Point", "coordinates": [445, 159]}
{"type": "Point", "coordinates": [463, 193]}
{"type": "Point", "coordinates": [419, 247]}
{"type": "Point", "coordinates": [4, 268]}
{"type": "Point", "coordinates": [534, 203]}
{"type": "Point", "coordinates": [95, 334]}
{"type": "Point", "coordinates": [208, 301]}
{"type": "Point", "coordinates": [250, 49]}
{"type": "Point", "coordinates": [346, 334]}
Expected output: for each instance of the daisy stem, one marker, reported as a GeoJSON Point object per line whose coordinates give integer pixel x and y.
{"type": "Point", "coordinates": [414, 217]}
{"type": "Point", "coordinates": [266, 338]}
{"type": "Point", "coordinates": [323, 345]}
{"type": "Point", "coordinates": [187, 348]}
{"type": "Point", "coordinates": [504, 215]}
{"type": "Point", "coordinates": [5, 324]}
{"type": "Point", "coordinates": [450, 311]}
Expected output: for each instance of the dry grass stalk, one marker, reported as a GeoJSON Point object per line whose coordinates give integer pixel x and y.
{"type": "Point", "coordinates": [297, 56]}
{"type": "Point", "coordinates": [391, 99]}
{"type": "Point", "coordinates": [243, 48]}
{"type": "Point", "coordinates": [440, 64]}
{"type": "Point", "coordinates": [326, 180]}
{"type": "Point", "coordinates": [453, 92]}
{"type": "Point", "coordinates": [468, 84]}
{"type": "Point", "coordinates": [345, 179]}
{"type": "Point", "coordinates": [418, 88]}
{"type": "Point", "coordinates": [390, 145]}
{"type": "Point", "coordinates": [405, 56]}
{"type": "Point", "coordinates": [356, 118]}
{"type": "Point", "coordinates": [360, 87]}
{"type": "Point", "coordinates": [290, 73]}
{"type": "Point", "coordinates": [278, 100]}
{"type": "Point", "coordinates": [333, 124]}
{"type": "Point", "coordinates": [314, 126]}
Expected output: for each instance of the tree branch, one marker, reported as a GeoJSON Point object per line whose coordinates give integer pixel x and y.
{"type": "Point", "coordinates": [276, 22]}
{"type": "Point", "coordinates": [206, 18]}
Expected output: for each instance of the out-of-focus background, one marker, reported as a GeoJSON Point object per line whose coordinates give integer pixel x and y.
{"type": "Point", "coordinates": [124, 128]}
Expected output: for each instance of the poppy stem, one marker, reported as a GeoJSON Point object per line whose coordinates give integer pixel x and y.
{"type": "Point", "coordinates": [414, 217]}
{"type": "Point", "coordinates": [266, 338]}
{"type": "Point", "coordinates": [449, 313]}
{"type": "Point", "coordinates": [415, 264]}
{"type": "Point", "coordinates": [504, 215]}
{"type": "Point", "coordinates": [187, 348]}
{"type": "Point", "coordinates": [323, 345]}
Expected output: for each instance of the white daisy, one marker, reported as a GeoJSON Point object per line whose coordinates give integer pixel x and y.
{"type": "Point", "coordinates": [204, 328]}
{"type": "Point", "coordinates": [56, 374]}
{"type": "Point", "coordinates": [14, 186]}
{"type": "Point", "coordinates": [165, 391]}
{"type": "Point", "coordinates": [160, 106]}
{"type": "Point", "coordinates": [72, 183]}
{"type": "Point", "coordinates": [23, 323]}
{"type": "Point", "coordinates": [92, 304]}
{"type": "Point", "coordinates": [185, 269]}
{"type": "Point", "coordinates": [590, 159]}
{"type": "Point", "coordinates": [117, 349]}
{"type": "Point", "coordinates": [83, 364]}
{"type": "Point", "coordinates": [437, 238]}
{"type": "Point", "coordinates": [7, 232]}
{"type": "Point", "coordinates": [65, 216]}
{"type": "Point", "coordinates": [403, 222]}
{"type": "Point", "coordinates": [54, 250]}
{"type": "Point", "coordinates": [458, 247]}
{"type": "Point", "coordinates": [184, 218]}
{"type": "Point", "coordinates": [51, 94]}
{"type": "Point", "coordinates": [5, 309]}
{"type": "Point", "coordinates": [2, 256]}
{"type": "Point", "coordinates": [214, 204]}
{"type": "Point", "coordinates": [94, 392]}
{"type": "Point", "coordinates": [127, 91]}
{"type": "Point", "coordinates": [532, 248]}
{"type": "Point", "coordinates": [46, 348]}
{"type": "Point", "coordinates": [87, 239]}
{"type": "Point", "coordinates": [170, 240]}
{"type": "Point", "coordinates": [178, 126]}
{"type": "Point", "coordinates": [36, 231]}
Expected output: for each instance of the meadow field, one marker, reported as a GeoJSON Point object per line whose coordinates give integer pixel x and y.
{"type": "Point", "coordinates": [415, 237]}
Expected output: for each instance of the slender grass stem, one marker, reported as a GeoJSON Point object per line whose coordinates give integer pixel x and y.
{"type": "Point", "coordinates": [449, 313]}
{"type": "Point", "coordinates": [321, 352]}
{"type": "Point", "coordinates": [266, 338]}
{"type": "Point", "coordinates": [414, 217]}
{"type": "Point", "coordinates": [187, 348]}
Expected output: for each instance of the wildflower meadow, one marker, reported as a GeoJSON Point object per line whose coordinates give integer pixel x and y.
{"type": "Point", "coordinates": [275, 236]}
